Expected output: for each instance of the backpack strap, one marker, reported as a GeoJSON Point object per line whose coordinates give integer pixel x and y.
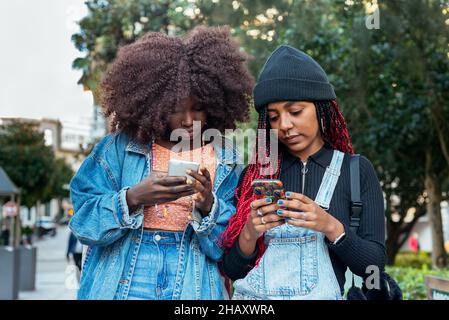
{"type": "Point", "coordinates": [356, 203]}
{"type": "Point", "coordinates": [356, 210]}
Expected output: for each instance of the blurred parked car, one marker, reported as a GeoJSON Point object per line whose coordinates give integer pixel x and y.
{"type": "Point", "coordinates": [46, 225]}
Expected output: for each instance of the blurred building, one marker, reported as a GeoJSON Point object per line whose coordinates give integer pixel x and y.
{"type": "Point", "coordinates": [99, 125]}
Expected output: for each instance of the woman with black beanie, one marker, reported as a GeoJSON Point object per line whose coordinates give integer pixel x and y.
{"type": "Point", "coordinates": [300, 247]}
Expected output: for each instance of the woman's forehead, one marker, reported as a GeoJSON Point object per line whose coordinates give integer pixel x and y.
{"type": "Point", "coordinates": [278, 105]}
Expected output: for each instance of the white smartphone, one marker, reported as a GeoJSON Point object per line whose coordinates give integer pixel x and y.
{"type": "Point", "coordinates": [178, 168]}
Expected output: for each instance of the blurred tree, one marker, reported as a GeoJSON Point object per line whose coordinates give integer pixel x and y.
{"type": "Point", "coordinates": [111, 24]}
{"type": "Point", "coordinates": [422, 35]}
{"type": "Point", "coordinates": [406, 86]}
{"type": "Point", "coordinates": [26, 159]}
{"type": "Point", "coordinates": [57, 188]}
{"type": "Point", "coordinates": [32, 165]}
{"type": "Point", "coordinates": [384, 121]}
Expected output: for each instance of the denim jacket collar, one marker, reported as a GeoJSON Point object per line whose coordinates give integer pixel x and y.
{"type": "Point", "coordinates": [136, 147]}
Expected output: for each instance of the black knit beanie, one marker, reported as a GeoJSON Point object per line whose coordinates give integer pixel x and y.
{"type": "Point", "coordinates": [291, 75]}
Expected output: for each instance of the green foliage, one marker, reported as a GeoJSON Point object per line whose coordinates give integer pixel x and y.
{"type": "Point", "coordinates": [413, 260]}
{"type": "Point", "coordinates": [114, 23]}
{"type": "Point", "coordinates": [27, 231]}
{"type": "Point", "coordinates": [31, 164]}
{"type": "Point", "coordinates": [26, 159]}
{"type": "Point", "coordinates": [412, 280]}
{"type": "Point", "coordinates": [58, 184]}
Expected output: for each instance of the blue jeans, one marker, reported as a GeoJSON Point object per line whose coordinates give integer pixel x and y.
{"type": "Point", "coordinates": [156, 266]}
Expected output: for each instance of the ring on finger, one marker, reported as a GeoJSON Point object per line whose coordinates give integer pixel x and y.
{"type": "Point", "coordinates": [262, 220]}
{"type": "Point", "coordinates": [259, 213]}
{"type": "Point", "coordinates": [251, 205]}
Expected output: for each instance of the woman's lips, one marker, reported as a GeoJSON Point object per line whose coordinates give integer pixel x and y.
{"type": "Point", "coordinates": [292, 139]}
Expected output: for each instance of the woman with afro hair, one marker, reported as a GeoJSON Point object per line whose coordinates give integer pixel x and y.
{"type": "Point", "coordinates": [300, 246]}
{"type": "Point", "coordinates": [150, 235]}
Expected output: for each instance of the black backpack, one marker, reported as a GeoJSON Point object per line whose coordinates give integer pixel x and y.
{"type": "Point", "coordinates": [389, 289]}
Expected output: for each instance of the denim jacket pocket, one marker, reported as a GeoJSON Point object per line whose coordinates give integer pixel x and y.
{"type": "Point", "coordinates": [289, 267]}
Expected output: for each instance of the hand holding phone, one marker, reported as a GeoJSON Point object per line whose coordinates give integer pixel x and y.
{"type": "Point", "coordinates": [155, 189]}
{"type": "Point", "coordinates": [263, 216]}
{"type": "Point", "coordinates": [203, 184]}
{"type": "Point", "coordinates": [268, 188]}
{"type": "Point", "coordinates": [178, 168]}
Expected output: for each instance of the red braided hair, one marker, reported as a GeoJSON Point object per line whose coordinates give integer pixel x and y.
{"type": "Point", "coordinates": [334, 132]}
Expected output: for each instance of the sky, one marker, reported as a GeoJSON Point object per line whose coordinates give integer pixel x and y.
{"type": "Point", "coordinates": [36, 54]}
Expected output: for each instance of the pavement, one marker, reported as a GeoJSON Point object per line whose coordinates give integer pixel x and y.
{"type": "Point", "coordinates": [56, 279]}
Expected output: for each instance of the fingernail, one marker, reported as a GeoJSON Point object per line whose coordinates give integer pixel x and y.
{"type": "Point", "coordinates": [280, 202]}
{"type": "Point", "coordinates": [269, 200]}
{"type": "Point", "coordinates": [280, 211]}
{"type": "Point", "coordinates": [189, 171]}
{"type": "Point", "coordinates": [288, 194]}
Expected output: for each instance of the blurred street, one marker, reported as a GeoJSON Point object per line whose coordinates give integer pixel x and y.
{"type": "Point", "coordinates": [55, 277]}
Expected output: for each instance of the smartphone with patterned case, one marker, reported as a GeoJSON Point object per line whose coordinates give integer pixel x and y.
{"type": "Point", "coordinates": [268, 188]}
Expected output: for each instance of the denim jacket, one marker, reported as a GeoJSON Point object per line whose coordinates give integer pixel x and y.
{"type": "Point", "coordinates": [103, 222]}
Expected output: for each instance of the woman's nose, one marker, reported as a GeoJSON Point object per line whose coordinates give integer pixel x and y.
{"type": "Point", "coordinates": [285, 123]}
{"type": "Point", "coordinates": [188, 119]}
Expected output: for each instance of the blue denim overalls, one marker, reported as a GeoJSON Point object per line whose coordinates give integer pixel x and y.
{"type": "Point", "coordinates": [296, 264]}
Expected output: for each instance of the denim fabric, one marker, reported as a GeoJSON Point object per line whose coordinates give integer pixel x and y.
{"type": "Point", "coordinates": [156, 266]}
{"type": "Point", "coordinates": [296, 265]}
{"type": "Point", "coordinates": [114, 236]}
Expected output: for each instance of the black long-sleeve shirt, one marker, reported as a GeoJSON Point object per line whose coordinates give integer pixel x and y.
{"type": "Point", "coordinates": [356, 251]}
